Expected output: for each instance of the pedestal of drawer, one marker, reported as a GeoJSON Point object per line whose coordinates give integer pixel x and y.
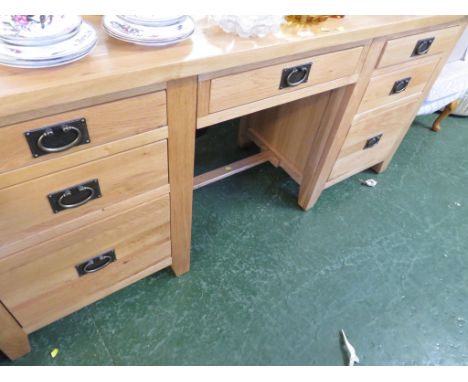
{"type": "Point", "coordinates": [370, 139]}
{"type": "Point", "coordinates": [48, 281]}
{"type": "Point", "coordinates": [31, 208]}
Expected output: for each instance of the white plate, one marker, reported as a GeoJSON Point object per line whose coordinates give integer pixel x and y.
{"type": "Point", "coordinates": [129, 32]}
{"type": "Point", "coordinates": [27, 30]}
{"type": "Point", "coordinates": [38, 64]}
{"type": "Point", "coordinates": [149, 43]}
{"type": "Point", "coordinates": [153, 20]}
{"type": "Point", "coordinates": [85, 38]}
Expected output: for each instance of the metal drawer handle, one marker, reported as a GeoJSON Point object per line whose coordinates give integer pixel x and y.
{"type": "Point", "coordinates": [50, 132]}
{"type": "Point", "coordinates": [96, 263]}
{"type": "Point", "coordinates": [87, 189]}
{"type": "Point", "coordinates": [422, 46]}
{"type": "Point", "coordinates": [103, 261]}
{"type": "Point", "coordinates": [371, 142]}
{"type": "Point", "coordinates": [295, 76]}
{"type": "Point", "coordinates": [289, 79]}
{"type": "Point", "coordinates": [400, 85]}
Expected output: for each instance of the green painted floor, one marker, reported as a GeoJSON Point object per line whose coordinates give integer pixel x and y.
{"type": "Point", "coordinates": [272, 285]}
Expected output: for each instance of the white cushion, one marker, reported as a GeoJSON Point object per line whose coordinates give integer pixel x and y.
{"type": "Point", "coordinates": [429, 107]}
{"type": "Point", "coordinates": [453, 79]}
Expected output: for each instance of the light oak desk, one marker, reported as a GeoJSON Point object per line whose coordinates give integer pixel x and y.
{"type": "Point", "coordinates": [115, 203]}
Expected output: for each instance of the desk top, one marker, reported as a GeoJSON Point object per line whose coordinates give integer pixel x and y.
{"type": "Point", "coordinates": [123, 69]}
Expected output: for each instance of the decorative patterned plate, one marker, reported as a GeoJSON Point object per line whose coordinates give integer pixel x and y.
{"type": "Point", "coordinates": [149, 43]}
{"type": "Point", "coordinates": [153, 20]}
{"type": "Point", "coordinates": [38, 29]}
{"type": "Point", "coordinates": [143, 35]}
{"type": "Point", "coordinates": [82, 41]}
{"type": "Point", "coordinates": [37, 64]}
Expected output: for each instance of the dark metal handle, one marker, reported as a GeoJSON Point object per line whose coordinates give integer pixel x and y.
{"type": "Point", "coordinates": [289, 78]}
{"type": "Point", "coordinates": [371, 142]}
{"type": "Point", "coordinates": [96, 263]}
{"type": "Point", "coordinates": [90, 196]}
{"type": "Point", "coordinates": [74, 196]}
{"type": "Point", "coordinates": [422, 46]}
{"type": "Point", "coordinates": [91, 267]}
{"type": "Point", "coordinates": [400, 85]}
{"type": "Point", "coordinates": [50, 132]}
{"type": "Point", "coordinates": [295, 76]}
{"type": "Point", "coordinates": [56, 138]}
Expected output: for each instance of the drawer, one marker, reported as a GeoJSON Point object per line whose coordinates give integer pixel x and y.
{"type": "Point", "coordinates": [28, 208]}
{"type": "Point", "coordinates": [410, 48]}
{"type": "Point", "coordinates": [48, 281]}
{"type": "Point", "coordinates": [370, 140]}
{"type": "Point", "coordinates": [393, 85]}
{"type": "Point", "coordinates": [104, 123]}
{"type": "Point", "coordinates": [241, 88]}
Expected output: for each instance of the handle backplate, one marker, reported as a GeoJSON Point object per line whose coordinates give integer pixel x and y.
{"type": "Point", "coordinates": [295, 75]}
{"type": "Point", "coordinates": [422, 46]}
{"type": "Point", "coordinates": [74, 196]}
{"type": "Point", "coordinates": [400, 85]}
{"type": "Point", "coordinates": [96, 263]}
{"type": "Point", "coordinates": [57, 138]}
{"type": "Point", "coordinates": [371, 142]}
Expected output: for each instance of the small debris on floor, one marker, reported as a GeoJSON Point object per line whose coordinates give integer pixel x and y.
{"type": "Point", "coordinates": [351, 352]}
{"type": "Point", "coordinates": [368, 182]}
{"type": "Point", "coordinates": [457, 204]}
{"type": "Point", "coordinates": [54, 352]}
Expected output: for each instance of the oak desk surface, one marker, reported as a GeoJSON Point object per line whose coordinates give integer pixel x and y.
{"type": "Point", "coordinates": [123, 69]}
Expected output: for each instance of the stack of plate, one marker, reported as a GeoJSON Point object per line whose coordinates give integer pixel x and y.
{"type": "Point", "coordinates": [43, 41]}
{"type": "Point", "coordinates": [149, 30]}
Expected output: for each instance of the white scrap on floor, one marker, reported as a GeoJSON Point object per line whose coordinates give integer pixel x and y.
{"type": "Point", "coordinates": [368, 182]}
{"type": "Point", "coordinates": [352, 356]}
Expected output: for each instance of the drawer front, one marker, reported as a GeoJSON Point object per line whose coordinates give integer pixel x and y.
{"type": "Point", "coordinates": [43, 283]}
{"type": "Point", "coordinates": [391, 86]}
{"type": "Point", "coordinates": [56, 136]}
{"type": "Point", "coordinates": [27, 208]}
{"type": "Point", "coordinates": [370, 140]}
{"type": "Point", "coordinates": [238, 89]}
{"type": "Point", "coordinates": [411, 48]}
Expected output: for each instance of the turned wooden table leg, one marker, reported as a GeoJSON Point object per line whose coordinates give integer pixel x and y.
{"type": "Point", "coordinates": [450, 108]}
{"type": "Point", "coordinates": [14, 341]}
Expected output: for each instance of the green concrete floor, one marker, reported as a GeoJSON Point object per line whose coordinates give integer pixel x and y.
{"type": "Point", "coordinates": [272, 285]}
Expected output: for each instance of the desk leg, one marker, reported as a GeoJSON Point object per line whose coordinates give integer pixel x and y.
{"type": "Point", "coordinates": [339, 113]}
{"type": "Point", "coordinates": [181, 117]}
{"type": "Point", "coordinates": [326, 146]}
{"type": "Point", "coordinates": [14, 341]}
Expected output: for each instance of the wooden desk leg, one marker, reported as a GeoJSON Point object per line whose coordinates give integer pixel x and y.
{"type": "Point", "coordinates": [14, 341]}
{"type": "Point", "coordinates": [325, 148]}
{"type": "Point", "coordinates": [334, 127]}
{"type": "Point", "coordinates": [450, 108]}
{"type": "Point", "coordinates": [181, 117]}
{"type": "Point", "coordinates": [243, 139]}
